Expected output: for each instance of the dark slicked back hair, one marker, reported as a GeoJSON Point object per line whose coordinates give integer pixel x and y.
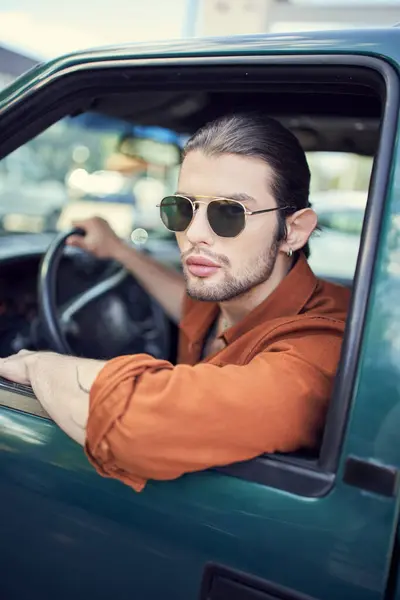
{"type": "Point", "coordinates": [257, 136]}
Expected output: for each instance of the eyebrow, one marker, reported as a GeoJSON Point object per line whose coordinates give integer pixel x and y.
{"type": "Point", "coordinates": [240, 197]}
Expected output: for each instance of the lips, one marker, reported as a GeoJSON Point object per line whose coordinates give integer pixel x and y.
{"type": "Point", "coordinates": [199, 266]}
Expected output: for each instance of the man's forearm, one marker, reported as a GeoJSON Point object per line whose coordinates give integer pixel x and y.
{"type": "Point", "coordinates": [62, 385]}
{"type": "Point", "coordinates": [163, 283]}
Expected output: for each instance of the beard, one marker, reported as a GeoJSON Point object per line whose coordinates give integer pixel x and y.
{"type": "Point", "coordinates": [233, 286]}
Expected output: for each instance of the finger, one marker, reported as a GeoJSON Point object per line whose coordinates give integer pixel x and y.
{"type": "Point", "coordinates": [76, 240]}
{"type": "Point", "coordinates": [80, 224]}
{"type": "Point", "coordinates": [86, 224]}
{"type": "Point", "coordinates": [20, 354]}
{"type": "Point", "coordinates": [14, 370]}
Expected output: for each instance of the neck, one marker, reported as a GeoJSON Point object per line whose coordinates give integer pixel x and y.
{"type": "Point", "coordinates": [238, 308]}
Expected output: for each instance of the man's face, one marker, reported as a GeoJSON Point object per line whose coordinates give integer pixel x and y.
{"type": "Point", "coordinates": [242, 262]}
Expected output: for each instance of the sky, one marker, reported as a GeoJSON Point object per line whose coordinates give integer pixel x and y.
{"type": "Point", "coordinates": [46, 28]}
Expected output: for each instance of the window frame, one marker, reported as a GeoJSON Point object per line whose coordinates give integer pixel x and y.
{"type": "Point", "coordinates": [295, 475]}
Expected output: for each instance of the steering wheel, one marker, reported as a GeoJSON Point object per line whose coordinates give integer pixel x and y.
{"type": "Point", "coordinates": [151, 333]}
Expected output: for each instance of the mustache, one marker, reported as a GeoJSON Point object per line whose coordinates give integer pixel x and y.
{"type": "Point", "coordinates": [219, 258]}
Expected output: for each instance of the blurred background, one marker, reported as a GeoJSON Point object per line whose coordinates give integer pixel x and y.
{"type": "Point", "coordinates": [44, 29]}
{"type": "Point", "coordinates": [82, 166]}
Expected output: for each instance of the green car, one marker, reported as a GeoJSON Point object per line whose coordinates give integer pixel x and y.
{"type": "Point", "coordinates": [321, 526]}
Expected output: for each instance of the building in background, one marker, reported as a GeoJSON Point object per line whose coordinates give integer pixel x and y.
{"type": "Point", "coordinates": [13, 64]}
{"type": "Point", "coordinates": [229, 17]}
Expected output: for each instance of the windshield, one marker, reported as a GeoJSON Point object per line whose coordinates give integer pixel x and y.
{"type": "Point", "coordinates": [74, 170]}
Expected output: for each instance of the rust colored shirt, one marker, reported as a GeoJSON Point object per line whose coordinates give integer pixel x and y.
{"type": "Point", "coordinates": [267, 390]}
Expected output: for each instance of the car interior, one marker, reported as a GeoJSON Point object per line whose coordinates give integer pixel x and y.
{"type": "Point", "coordinates": [60, 298]}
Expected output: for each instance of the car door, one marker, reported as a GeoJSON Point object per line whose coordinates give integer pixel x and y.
{"type": "Point", "coordinates": [275, 527]}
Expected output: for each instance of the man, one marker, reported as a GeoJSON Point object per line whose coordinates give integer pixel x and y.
{"type": "Point", "coordinates": [260, 334]}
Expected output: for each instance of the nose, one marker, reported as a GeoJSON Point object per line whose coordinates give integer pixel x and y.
{"type": "Point", "coordinates": [199, 230]}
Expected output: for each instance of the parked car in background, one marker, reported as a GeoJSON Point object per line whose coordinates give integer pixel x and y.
{"type": "Point", "coordinates": [335, 246]}
{"type": "Point", "coordinates": [35, 194]}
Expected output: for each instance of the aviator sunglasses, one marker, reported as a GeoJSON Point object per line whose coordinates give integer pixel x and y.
{"type": "Point", "coordinates": [227, 217]}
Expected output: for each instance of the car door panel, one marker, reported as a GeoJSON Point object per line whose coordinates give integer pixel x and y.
{"type": "Point", "coordinates": [76, 533]}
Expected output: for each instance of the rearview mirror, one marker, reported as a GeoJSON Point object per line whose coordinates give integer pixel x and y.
{"type": "Point", "coordinates": [154, 152]}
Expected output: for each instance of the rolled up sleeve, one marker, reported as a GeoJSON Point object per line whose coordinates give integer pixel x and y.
{"type": "Point", "coordinates": [149, 419]}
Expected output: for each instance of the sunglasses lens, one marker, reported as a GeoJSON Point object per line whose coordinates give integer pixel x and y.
{"type": "Point", "coordinates": [176, 213]}
{"type": "Point", "coordinates": [227, 218]}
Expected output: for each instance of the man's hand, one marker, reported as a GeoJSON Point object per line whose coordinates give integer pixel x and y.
{"type": "Point", "coordinates": [15, 368]}
{"type": "Point", "coordinates": [61, 384]}
{"type": "Point", "coordinates": [100, 240]}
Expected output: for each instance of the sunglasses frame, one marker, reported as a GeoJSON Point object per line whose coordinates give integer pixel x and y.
{"type": "Point", "coordinates": [246, 211]}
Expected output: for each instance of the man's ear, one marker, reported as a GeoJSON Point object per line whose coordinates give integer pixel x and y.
{"type": "Point", "coordinates": [299, 227]}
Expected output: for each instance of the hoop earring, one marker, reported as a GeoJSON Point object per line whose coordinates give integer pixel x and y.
{"type": "Point", "coordinates": [290, 252]}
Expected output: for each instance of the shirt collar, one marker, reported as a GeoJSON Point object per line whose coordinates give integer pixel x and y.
{"type": "Point", "coordinates": [289, 298]}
